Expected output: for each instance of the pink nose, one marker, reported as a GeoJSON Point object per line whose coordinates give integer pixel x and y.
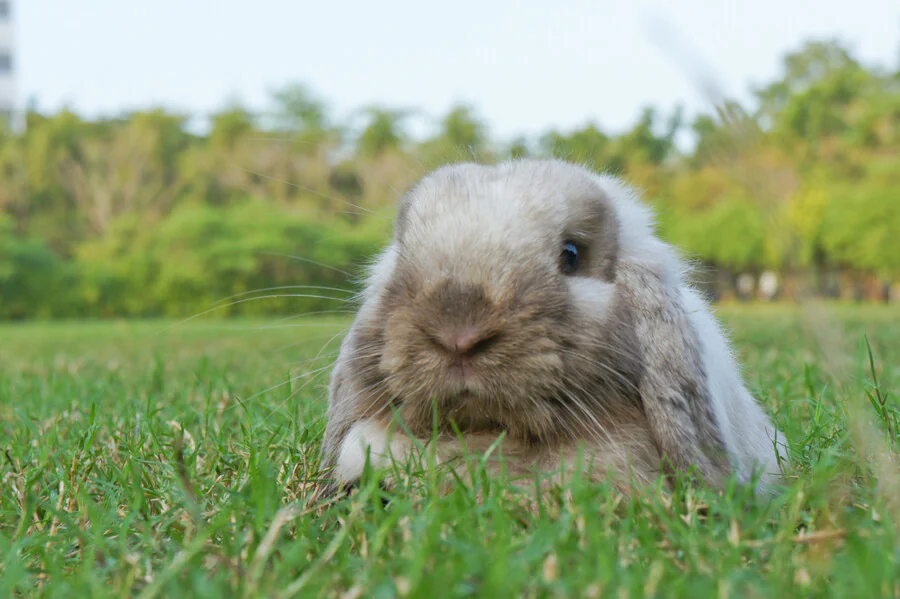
{"type": "Point", "coordinates": [464, 341]}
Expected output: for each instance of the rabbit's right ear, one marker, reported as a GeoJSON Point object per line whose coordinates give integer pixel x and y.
{"type": "Point", "coordinates": [673, 386]}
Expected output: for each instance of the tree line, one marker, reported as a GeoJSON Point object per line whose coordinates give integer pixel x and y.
{"type": "Point", "coordinates": [138, 216]}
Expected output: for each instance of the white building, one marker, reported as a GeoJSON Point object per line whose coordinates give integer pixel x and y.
{"type": "Point", "coordinates": [9, 115]}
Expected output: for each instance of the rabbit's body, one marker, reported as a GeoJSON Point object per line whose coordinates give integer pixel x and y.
{"type": "Point", "coordinates": [533, 299]}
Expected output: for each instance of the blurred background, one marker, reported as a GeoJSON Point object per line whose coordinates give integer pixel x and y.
{"type": "Point", "coordinates": [157, 158]}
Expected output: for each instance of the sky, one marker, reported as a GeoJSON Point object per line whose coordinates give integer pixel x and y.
{"type": "Point", "coordinates": [525, 66]}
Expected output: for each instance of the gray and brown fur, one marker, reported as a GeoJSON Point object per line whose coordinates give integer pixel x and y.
{"type": "Point", "coordinates": [609, 359]}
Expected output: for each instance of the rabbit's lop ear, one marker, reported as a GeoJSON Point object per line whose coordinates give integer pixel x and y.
{"type": "Point", "coordinates": [673, 387]}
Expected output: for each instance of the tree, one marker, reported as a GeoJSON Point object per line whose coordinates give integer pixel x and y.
{"type": "Point", "coordinates": [588, 145]}
{"type": "Point", "coordinates": [136, 215]}
{"type": "Point", "coordinates": [461, 129]}
{"type": "Point", "coordinates": [383, 133]}
{"type": "Point", "coordinates": [518, 148]}
{"type": "Point", "coordinates": [297, 110]}
{"type": "Point", "coordinates": [130, 172]}
{"type": "Point", "coordinates": [815, 61]}
{"type": "Point", "coordinates": [643, 143]}
{"type": "Point", "coordinates": [230, 126]}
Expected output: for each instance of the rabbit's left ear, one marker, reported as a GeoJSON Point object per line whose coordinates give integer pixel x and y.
{"type": "Point", "coordinates": [673, 386]}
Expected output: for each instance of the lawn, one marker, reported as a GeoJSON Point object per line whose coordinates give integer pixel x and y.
{"type": "Point", "coordinates": [155, 461]}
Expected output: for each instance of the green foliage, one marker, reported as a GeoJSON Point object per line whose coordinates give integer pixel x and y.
{"type": "Point", "coordinates": [298, 111]}
{"type": "Point", "coordinates": [863, 229]}
{"type": "Point", "coordinates": [33, 278]}
{"type": "Point", "coordinates": [137, 216]}
{"type": "Point", "coordinates": [384, 132]}
{"type": "Point", "coordinates": [229, 127]}
{"type": "Point", "coordinates": [461, 137]}
{"type": "Point", "coordinates": [148, 461]}
{"type": "Point", "coordinates": [740, 238]}
{"type": "Point", "coordinates": [201, 255]}
{"type": "Point", "coordinates": [586, 146]}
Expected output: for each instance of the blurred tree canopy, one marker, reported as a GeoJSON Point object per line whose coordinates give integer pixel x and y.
{"type": "Point", "coordinates": [139, 216]}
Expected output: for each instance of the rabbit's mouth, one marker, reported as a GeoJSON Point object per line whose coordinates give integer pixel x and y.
{"type": "Point", "coordinates": [474, 396]}
{"type": "Point", "coordinates": [462, 371]}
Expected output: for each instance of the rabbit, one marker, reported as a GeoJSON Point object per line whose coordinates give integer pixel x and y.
{"type": "Point", "coordinates": [532, 300]}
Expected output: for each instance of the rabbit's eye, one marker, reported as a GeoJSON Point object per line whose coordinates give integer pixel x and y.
{"type": "Point", "coordinates": [569, 260]}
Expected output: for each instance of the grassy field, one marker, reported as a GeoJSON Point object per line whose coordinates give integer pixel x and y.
{"type": "Point", "coordinates": [154, 462]}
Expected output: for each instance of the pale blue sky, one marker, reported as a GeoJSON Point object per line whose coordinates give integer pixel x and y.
{"type": "Point", "coordinates": [526, 66]}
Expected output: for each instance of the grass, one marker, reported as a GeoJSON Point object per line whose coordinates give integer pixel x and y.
{"type": "Point", "coordinates": [152, 462]}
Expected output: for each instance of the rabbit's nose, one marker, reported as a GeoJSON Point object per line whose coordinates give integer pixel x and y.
{"type": "Point", "coordinates": [465, 341]}
{"type": "Point", "coordinates": [460, 320]}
